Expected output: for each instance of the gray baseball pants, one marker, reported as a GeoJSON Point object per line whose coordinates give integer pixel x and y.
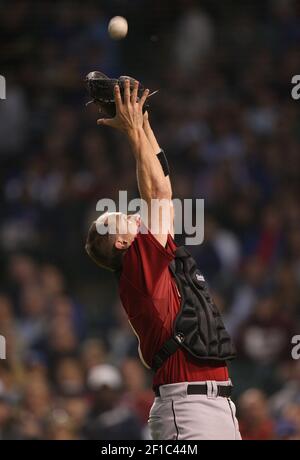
{"type": "Point", "coordinates": [178, 415]}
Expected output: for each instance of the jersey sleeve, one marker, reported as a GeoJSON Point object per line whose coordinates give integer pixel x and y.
{"type": "Point", "coordinates": [146, 261]}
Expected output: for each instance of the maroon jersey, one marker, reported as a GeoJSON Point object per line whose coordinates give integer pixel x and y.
{"type": "Point", "coordinates": [151, 300]}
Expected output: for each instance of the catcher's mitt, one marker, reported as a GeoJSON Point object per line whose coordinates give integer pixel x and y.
{"type": "Point", "coordinates": [101, 90]}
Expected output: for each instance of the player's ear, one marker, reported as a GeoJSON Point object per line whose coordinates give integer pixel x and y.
{"type": "Point", "coordinates": [121, 244]}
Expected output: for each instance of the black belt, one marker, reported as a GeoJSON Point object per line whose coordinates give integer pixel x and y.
{"type": "Point", "coordinates": [222, 390]}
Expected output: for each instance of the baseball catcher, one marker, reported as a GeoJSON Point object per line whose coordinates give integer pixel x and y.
{"type": "Point", "coordinates": [179, 328]}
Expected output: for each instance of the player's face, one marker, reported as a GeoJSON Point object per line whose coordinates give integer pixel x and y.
{"type": "Point", "coordinates": [124, 226]}
{"type": "Point", "coordinates": [128, 225]}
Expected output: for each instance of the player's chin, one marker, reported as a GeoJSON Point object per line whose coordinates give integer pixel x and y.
{"type": "Point", "coordinates": [131, 236]}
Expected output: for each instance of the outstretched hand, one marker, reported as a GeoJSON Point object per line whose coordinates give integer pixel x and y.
{"type": "Point", "coordinates": [129, 113]}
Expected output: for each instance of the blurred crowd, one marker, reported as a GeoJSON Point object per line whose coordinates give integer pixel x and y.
{"type": "Point", "coordinates": [226, 119]}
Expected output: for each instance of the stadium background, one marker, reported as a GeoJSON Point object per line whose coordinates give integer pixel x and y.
{"type": "Point", "coordinates": [226, 119]}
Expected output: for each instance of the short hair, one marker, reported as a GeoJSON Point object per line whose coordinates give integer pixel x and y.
{"type": "Point", "coordinates": [102, 250]}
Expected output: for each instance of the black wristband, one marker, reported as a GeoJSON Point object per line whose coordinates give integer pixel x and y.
{"type": "Point", "coordinates": [164, 162]}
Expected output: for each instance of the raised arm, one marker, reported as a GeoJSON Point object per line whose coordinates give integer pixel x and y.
{"type": "Point", "coordinates": [155, 146]}
{"type": "Point", "coordinates": [152, 182]}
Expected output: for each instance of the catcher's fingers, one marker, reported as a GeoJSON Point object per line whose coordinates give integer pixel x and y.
{"type": "Point", "coordinates": [127, 92]}
{"type": "Point", "coordinates": [144, 97]}
{"type": "Point", "coordinates": [118, 99]}
{"type": "Point", "coordinates": [145, 120]}
{"type": "Point", "coordinates": [106, 122]}
{"type": "Point", "coordinates": [134, 94]}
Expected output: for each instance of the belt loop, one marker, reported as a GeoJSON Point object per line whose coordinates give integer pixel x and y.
{"type": "Point", "coordinates": [212, 389]}
{"type": "Point", "coordinates": [186, 389]}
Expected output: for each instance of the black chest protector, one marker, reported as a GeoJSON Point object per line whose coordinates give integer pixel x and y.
{"type": "Point", "coordinates": [198, 326]}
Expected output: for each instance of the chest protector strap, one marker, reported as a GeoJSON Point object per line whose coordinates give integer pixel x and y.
{"type": "Point", "coordinates": [168, 348]}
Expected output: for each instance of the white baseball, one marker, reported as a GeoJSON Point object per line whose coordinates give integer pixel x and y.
{"type": "Point", "coordinates": [118, 27]}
